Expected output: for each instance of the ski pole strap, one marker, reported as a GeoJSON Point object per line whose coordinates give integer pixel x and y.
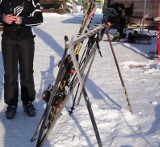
{"type": "Point", "coordinates": [97, 43]}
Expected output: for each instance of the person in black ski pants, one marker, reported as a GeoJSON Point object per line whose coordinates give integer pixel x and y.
{"type": "Point", "coordinates": [17, 18]}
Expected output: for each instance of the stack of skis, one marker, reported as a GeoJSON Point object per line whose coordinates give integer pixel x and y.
{"type": "Point", "coordinates": [71, 70]}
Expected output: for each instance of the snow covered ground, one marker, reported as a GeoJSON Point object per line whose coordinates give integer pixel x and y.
{"type": "Point", "coordinates": [117, 126]}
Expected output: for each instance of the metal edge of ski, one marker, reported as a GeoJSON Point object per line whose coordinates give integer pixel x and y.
{"type": "Point", "coordinates": [42, 122]}
{"type": "Point", "coordinates": [40, 144]}
{"type": "Point", "coordinates": [82, 87]}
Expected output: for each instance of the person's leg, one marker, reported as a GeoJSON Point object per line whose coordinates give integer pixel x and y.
{"type": "Point", "coordinates": [10, 62]}
{"type": "Point", "coordinates": [118, 26]}
{"type": "Point", "coordinates": [122, 26]}
{"type": "Point", "coordinates": [26, 57]}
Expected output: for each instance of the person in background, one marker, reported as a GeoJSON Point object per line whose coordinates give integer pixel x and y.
{"type": "Point", "coordinates": [17, 18]}
{"type": "Point", "coordinates": [108, 13]}
{"type": "Point", "coordinates": [113, 15]}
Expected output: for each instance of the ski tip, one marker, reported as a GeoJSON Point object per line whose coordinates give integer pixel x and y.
{"type": "Point", "coordinates": [66, 38]}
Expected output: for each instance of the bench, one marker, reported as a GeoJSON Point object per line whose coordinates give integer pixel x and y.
{"type": "Point", "coordinates": [53, 6]}
{"type": "Point", "coordinates": [136, 21]}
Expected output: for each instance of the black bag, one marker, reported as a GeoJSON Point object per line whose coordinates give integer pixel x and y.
{"type": "Point", "coordinates": [129, 10]}
{"type": "Point", "coordinates": [130, 37]}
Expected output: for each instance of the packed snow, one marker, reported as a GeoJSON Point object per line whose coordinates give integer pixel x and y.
{"type": "Point", "coordinates": [117, 126]}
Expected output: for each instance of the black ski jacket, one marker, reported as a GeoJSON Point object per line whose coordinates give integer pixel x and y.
{"type": "Point", "coordinates": [28, 10]}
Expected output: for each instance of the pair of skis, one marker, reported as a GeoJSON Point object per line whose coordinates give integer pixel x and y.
{"type": "Point", "coordinates": [56, 95]}
{"type": "Point", "coordinates": [50, 96]}
{"type": "Point", "coordinates": [53, 110]}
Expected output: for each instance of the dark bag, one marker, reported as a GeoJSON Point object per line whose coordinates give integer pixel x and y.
{"type": "Point", "coordinates": [129, 10]}
{"type": "Point", "coordinates": [130, 37]}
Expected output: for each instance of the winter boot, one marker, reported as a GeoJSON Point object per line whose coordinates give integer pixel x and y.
{"type": "Point", "coordinates": [29, 109]}
{"type": "Point", "coordinates": [10, 112]}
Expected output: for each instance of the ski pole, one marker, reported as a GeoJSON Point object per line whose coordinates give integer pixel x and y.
{"type": "Point", "coordinates": [119, 72]}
